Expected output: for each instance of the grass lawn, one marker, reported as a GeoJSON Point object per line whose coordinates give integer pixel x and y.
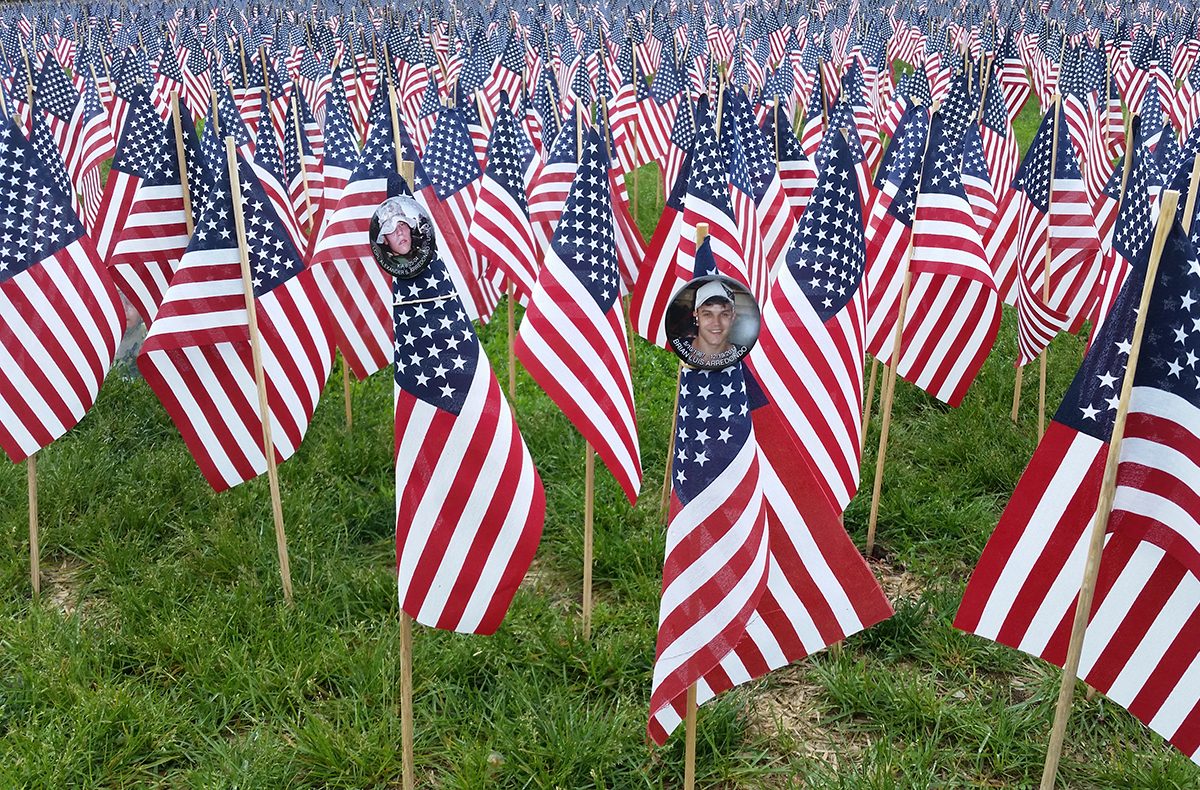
{"type": "Point", "coordinates": [161, 653]}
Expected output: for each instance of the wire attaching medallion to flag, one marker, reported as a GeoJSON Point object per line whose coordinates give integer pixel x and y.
{"type": "Point", "coordinates": [402, 237]}
{"type": "Point", "coordinates": [712, 322]}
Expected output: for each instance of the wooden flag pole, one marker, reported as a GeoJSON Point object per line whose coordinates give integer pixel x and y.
{"type": "Point", "coordinates": [216, 111]}
{"type": "Point", "coordinates": [868, 401]}
{"type": "Point", "coordinates": [406, 704]}
{"type": "Point", "coordinates": [346, 397]}
{"type": "Point", "coordinates": [35, 575]}
{"type": "Point", "coordinates": [264, 410]}
{"type": "Point", "coordinates": [1087, 588]}
{"type": "Point", "coordinates": [889, 386]}
{"type": "Point", "coordinates": [589, 460]}
{"type": "Point", "coordinates": [701, 235]}
{"type": "Point", "coordinates": [1189, 207]}
{"type": "Point", "coordinates": [1016, 407]}
{"type": "Point", "coordinates": [181, 157]}
{"type": "Point", "coordinates": [589, 503]}
{"type": "Point", "coordinates": [406, 622]}
{"type": "Point", "coordinates": [1045, 355]}
{"type": "Point", "coordinates": [262, 62]}
{"type": "Point", "coordinates": [308, 206]}
{"type": "Point", "coordinates": [689, 743]}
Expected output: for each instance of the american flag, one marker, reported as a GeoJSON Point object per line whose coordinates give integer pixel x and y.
{"type": "Point", "coordinates": [1054, 212]}
{"type": "Point", "coordinates": [679, 144]}
{"type": "Point", "coordinates": [93, 145]}
{"type": "Point", "coordinates": [168, 80]}
{"type": "Point", "coordinates": [999, 141]}
{"type": "Point", "coordinates": [1134, 72]}
{"type": "Point", "coordinates": [144, 206]}
{"type": "Point", "coordinates": [197, 78]}
{"type": "Point", "coordinates": [658, 111]}
{"type": "Point", "coordinates": [500, 229]}
{"type": "Point", "coordinates": [889, 228]}
{"type": "Point", "coordinates": [1155, 500]}
{"type": "Point", "coordinates": [197, 356]}
{"type": "Point", "coordinates": [797, 172]}
{"type": "Point", "coordinates": [120, 187]}
{"type": "Point", "coordinates": [130, 74]}
{"type": "Point", "coordinates": [268, 168]}
{"type": "Point", "coordinates": [814, 119]}
{"type": "Point", "coordinates": [552, 184]}
{"type": "Point", "coordinates": [358, 289]}
{"type": "Point", "coordinates": [776, 225]}
{"type": "Point", "coordinates": [507, 73]}
{"type": "Point", "coordinates": [303, 174]}
{"type": "Point", "coordinates": [1138, 645]}
{"type": "Point", "coordinates": [978, 183]}
{"type": "Point", "coordinates": [469, 502]}
{"type": "Point", "coordinates": [447, 184]}
{"type": "Point", "coordinates": [1128, 233]}
{"type": "Point", "coordinates": [953, 309]}
{"type": "Point", "coordinates": [660, 276]}
{"type": "Point", "coordinates": [717, 558]}
{"type": "Point", "coordinates": [810, 352]}
{"type": "Point", "coordinates": [341, 152]}
{"type": "Point", "coordinates": [60, 106]}
{"type": "Point", "coordinates": [572, 339]}
{"type": "Point", "coordinates": [1014, 82]}
{"type": "Point", "coordinates": [708, 200]}
{"type": "Point", "coordinates": [62, 316]}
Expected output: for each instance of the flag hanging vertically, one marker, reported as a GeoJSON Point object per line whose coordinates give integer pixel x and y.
{"type": "Point", "coordinates": [197, 356]}
{"type": "Point", "coordinates": [60, 315]}
{"type": "Point", "coordinates": [809, 357]}
{"type": "Point", "coordinates": [572, 339]}
{"type": "Point", "coordinates": [1139, 643]}
{"type": "Point", "coordinates": [469, 502]}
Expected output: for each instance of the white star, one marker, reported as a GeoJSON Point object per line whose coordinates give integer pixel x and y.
{"type": "Point", "coordinates": [1090, 413]}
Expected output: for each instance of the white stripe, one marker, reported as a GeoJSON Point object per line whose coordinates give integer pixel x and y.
{"type": "Point", "coordinates": [1019, 564]}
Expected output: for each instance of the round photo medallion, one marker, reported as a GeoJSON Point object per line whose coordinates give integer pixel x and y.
{"type": "Point", "coordinates": [712, 322]}
{"type": "Point", "coordinates": [402, 237]}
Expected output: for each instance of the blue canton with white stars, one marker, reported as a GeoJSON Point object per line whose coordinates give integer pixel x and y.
{"type": "Point", "coordinates": [509, 155]}
{"type": "Point", "coordinates": [436, 351]}
{"type": "Point", "coordinates": [273, 257]}
{"type": "Point", "coordinates": [1171, 343]}
{"type": "Point", "coordinates": [141, 138]}
{"type": "Point", "coordinates": [341, 148]}
{"type": "Point", "coordinates": [713, 426]}
{"type": "Point", "coordinates": [907, 154]}
{"type": "Point", "coordinates": [1131, 232]}
{"type": "Point", "coordinates": [54, 92]}
{"type": "Point", "coordinates": [449, 158]}
{"type": "Point", "coordinates": [38, 220]}
{"type": "Point", "coordinates": [828, 254]}
{"type": "Point", "coordinates": [46, 150]}
{"type": "Point", "coordinates": [584, 238]}
{"type": "Point", "coordinates": [1090, 405]}
{"type": "Point", "coordinates": [709, 178]}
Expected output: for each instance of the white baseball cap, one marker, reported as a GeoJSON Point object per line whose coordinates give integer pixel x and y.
{"type": "Point", "coordinates": [713, 289]}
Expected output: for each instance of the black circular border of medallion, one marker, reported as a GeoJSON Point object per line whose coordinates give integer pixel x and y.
{"type": "Point", "coordinates": [424, 246]}
{"type": "Point", "coordinates": [681, 325]}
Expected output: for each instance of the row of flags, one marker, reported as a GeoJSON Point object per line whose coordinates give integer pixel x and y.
{"type": "Point", "coordinates": [824, 185]}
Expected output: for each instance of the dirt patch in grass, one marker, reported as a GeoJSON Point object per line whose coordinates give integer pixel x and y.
{"type": "Point", "coordinates": [897, 582]}
{"type": "Point", "coordinates": [544, 581]}
{"type": "Point", "coordinates": [788, 711]}
{"type": "Point", "coordinates": [62, 586]}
